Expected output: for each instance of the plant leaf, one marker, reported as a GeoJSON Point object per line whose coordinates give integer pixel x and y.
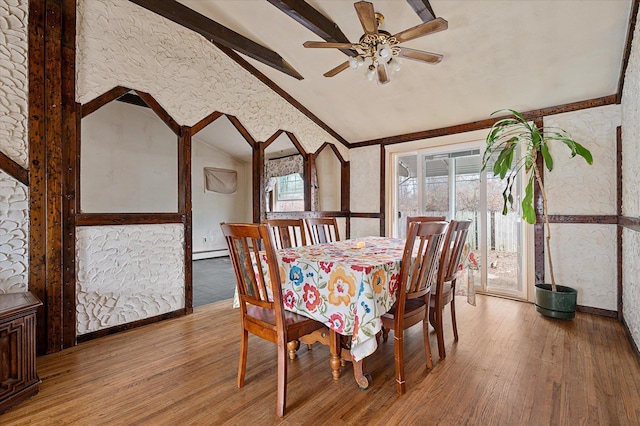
{"type": "Point", "coordinates": [546, 155]}
{"type": "Point", "coordinates": [528, 211]}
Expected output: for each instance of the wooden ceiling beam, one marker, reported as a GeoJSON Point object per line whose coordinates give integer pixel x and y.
{"type": "Point", "coordinates": [315, 21]}
{"type": "Point", "coordinates": [217, 33]}
{"type": "Point", "coordinates": [423, 9]}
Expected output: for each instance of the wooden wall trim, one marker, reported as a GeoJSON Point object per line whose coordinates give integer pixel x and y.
{"type": "Point", "coordinates": [597, 311]}
{"type": "Point", "coordinates": [14, 169]}
{"type": "Point", "coordinates": [627, 49]}
{"type": "Point", "coordinates": [619, 242]}
{"type": "Point", "coordinates": [258, 186]}
{"type": "Point", "coordinates": [264, 79]}
{"type": "Point", "coordinates": [593, 219]}
{"type": "Point", "coordinates": [487, 123]}
{"type": "Point", "coordinates": [160, 111]}
{"type": "Point", "coordinates": [365, 215]}
{"type": "Point", "coordinates": [100, 101]}
{"type": "Point", "coordinates": [306, 214]}
{"type": "Point", "coordinates": [382, 190]}
{"type": "Point", "coordinates": [185, 208]}
{"type": "Point", "coordinates": [130, 325]}
{"type": "Point", "coordinates": [69, 172]}
{"type": "Point", "coordinates": [37, 170]}
{"type": "Point", "coordinates": [333, 148]}
{"type": "Point", "coordinates": [205, 122]}
{"type": "Point", "coordinates": [243, 131]}
{"type": "Point", "coordinates": [110, 219]}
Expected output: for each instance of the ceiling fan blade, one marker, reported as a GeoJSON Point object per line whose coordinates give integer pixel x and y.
{"type": "Point", "coordinates": [383, 76]}
{"type": "Point", "coordinates": [324, 44]}
{"type": "Point", "coordinates": [343, 66]}
{"type": "Point", "coordinates": [420, 55]}
{"type": "Point", "coordinates": [430, 27]}
{"type": "Point", "coordinates": [367, 16]}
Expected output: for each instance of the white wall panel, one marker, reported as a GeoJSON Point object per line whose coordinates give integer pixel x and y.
{"type": "Point", "coordinates": [14, 80]}
{"type": "Point", "coordinates": [365, 179]}
{"type": "Point", "coordinates": [127, 273]}
{"type": "Point", "coordinates": [362, 227]}
{"type": "Point", "coordinates": [585, 258]}
{"type": "Point", "coordinates": [14, 235]}
{"type": "Point", "coordinates": [573, 186]}
{"type": "Point", "coordinates": [631, 282]}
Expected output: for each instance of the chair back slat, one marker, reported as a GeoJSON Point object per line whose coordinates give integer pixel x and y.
{"type": "Point", "coordinates": [452, 251]}
{"type": "Point", "coordinates": [412, 219]}
{"type": "Point", "coordinates": [323, 230]}
{"type": "Point", "coordinates": [252, 250]}
{"type": "Point", "coordinates": [287, 233]}
{"type": "Point", "coordinates": [420, 257]}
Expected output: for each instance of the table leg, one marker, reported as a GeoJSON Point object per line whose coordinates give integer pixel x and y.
{"type": "Point", "coordinates": [359, 369]}
{"type": "Point", "coordinates": [336, 350]}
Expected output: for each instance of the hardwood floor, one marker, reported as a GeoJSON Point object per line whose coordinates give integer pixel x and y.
{"type": "Point", "coordinates": [510, 367]}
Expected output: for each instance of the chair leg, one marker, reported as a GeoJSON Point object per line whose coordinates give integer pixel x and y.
{"type": "Point", "coordinates": [242, 365]}
{"type": "Point", "coordinates": [398, 343]}
{"type": "Point", "coordinates": [453, 318]}
{"type": "Point", "coordinates": [385, 334]}
{"type": "Point", "coordinates": [282, 379]}
{"type": "Point", "coordinates": [427, 344]}
{"type": "Point", "coordinates": [439, 332]}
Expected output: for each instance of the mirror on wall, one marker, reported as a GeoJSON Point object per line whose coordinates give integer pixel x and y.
{"type": "Point", "coordinates": [128, 160]}
{"type": "Point", "coordinates": [284, 176]}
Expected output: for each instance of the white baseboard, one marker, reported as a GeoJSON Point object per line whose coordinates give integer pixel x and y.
{"type": "Point", "coordinates": [210, 254]}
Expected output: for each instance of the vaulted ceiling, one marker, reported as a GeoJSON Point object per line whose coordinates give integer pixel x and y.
{"type": "Point", "coordinates": [521, 54]}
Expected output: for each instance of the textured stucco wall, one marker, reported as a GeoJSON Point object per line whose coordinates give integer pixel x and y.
{"type": "Point", "coordinates": [365, 179]}
{"type": "Point", "coordinates": [585, 258]}
{"type": "Point", "coordinates": [14, 80]}
{"type": "Point", "coordinates": [127, 273]}
{"type": "Point", "coordinates": [14, 225]}
{"type": "Point", "coordinates": [14, 202]}
{"type": "Point", "coordinates": [120, 43]}
{"type": "Point", "coordinates": [630, 191]}
{"type": "Point", "coordinates": [573, 186]}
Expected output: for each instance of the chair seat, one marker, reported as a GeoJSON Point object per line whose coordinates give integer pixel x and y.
{"type": "Point", "coordinates": [410, 306]}
{"type": "Point", "coordinates": [269, 316]}
{"type": "Point", "coordinates": [446, 294]}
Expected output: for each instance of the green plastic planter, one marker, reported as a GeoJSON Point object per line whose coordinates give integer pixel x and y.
{"type": "Point", "coordinates": [559, 304]}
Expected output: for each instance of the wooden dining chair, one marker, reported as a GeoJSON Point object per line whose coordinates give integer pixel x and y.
{"type": "Point", "coordinates": [419, 263]}
{"type": "Point", "coordinates": [323, 230]}
{"type": "Point", "coordinates": [262, 310]}
{"type": "Point", "coordinates": [443, 292]}
{"type": "Point", "coordinates": [287, 233]}
{"type": "Point", "coordinates": [411, 219]}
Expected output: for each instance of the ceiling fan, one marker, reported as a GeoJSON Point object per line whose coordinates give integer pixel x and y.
{"type": "Point", "coordinates": [380, 46]}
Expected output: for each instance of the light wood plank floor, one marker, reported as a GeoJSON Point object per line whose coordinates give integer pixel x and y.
{"type": "Point", "coordinates": [510, 367]}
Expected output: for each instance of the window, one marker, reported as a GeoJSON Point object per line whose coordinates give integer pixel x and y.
{"type": "Point", "coordinates": [290, 187]}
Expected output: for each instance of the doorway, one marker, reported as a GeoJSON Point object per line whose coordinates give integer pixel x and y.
{"type": "Point", "coordinates": [447, 181]}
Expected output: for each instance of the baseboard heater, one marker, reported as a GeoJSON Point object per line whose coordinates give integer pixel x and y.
{"type": "Point", "coordinates": [209, 254]}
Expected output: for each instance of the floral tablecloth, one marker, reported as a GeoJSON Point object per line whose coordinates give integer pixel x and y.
{"type": "Point", "coordinates": [346, 285]}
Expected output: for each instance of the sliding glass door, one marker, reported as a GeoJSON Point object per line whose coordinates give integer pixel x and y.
{"type": "Point", "coordinates": [451, 184]}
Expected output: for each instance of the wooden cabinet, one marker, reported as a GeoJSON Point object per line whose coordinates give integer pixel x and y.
{"type": "Point", "coordinates": [18, 377]}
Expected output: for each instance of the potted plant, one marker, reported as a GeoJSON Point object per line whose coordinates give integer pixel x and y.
{"type": "Point", "coordinates": [515, 145]}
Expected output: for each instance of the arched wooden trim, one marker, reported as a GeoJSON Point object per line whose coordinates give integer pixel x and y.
{"type": "Point", "coordinates": [273, 138]}
{"type": "Point", "coordinates": [118, 91]}
{"type": "Point", "coordinates": [297, 143]}
{"type": "Point", "coordinates": [14, 169]}
{"type": "Point", "coordinates": [345, 175]}
{"type": "Point", "coordinates": [333, 148]}
{"type": "Point", "coordinates": [243, 131]}
{"type": "Point", "coordinates": [160, 112]}
{"type": "Point", "coordinates": [97, 103]}
{"type": "Point", "coordinates": [205, 122]}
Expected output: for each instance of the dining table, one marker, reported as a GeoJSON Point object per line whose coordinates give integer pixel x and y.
{"type": "Point", "coordinates": [347, 285]}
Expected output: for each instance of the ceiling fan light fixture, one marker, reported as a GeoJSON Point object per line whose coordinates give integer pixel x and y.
{"type": "Point", "coordinates": [371, 72]}
{"type": "Point", "coordinates": [394, 65]}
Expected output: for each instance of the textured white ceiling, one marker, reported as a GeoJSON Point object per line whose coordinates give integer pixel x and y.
{"type": "Point", "coordinates": [521, 54]}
